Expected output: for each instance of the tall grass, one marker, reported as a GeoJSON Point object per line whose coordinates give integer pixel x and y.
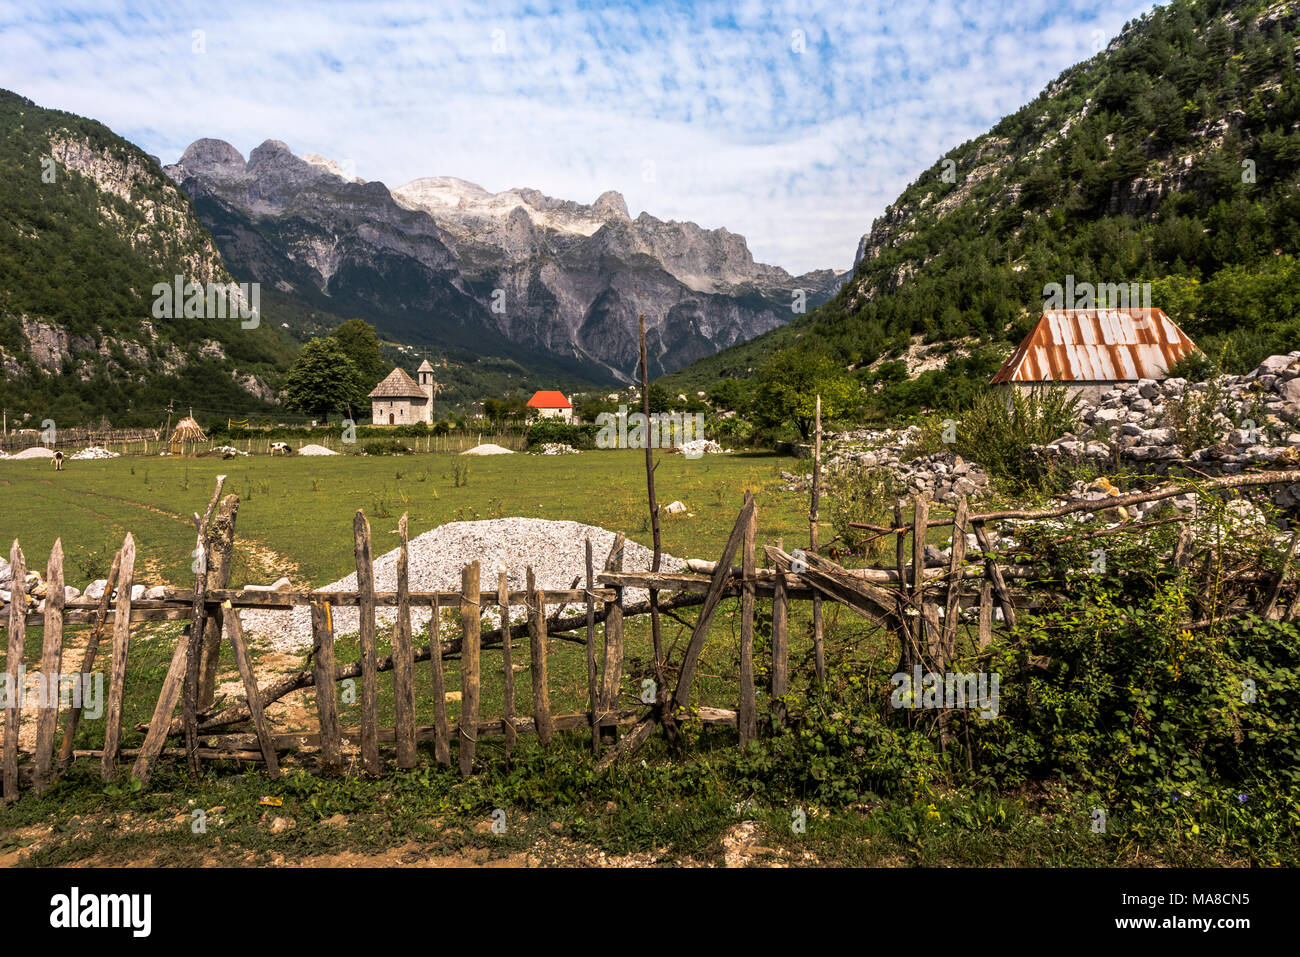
{"type": "Point", "coordinates": [998, 428]}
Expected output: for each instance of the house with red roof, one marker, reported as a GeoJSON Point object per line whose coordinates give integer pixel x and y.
{"type": "Point", "coordinates": [552, 405]}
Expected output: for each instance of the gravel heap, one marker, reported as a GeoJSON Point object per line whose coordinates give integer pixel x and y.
{"type": "Point", "coordinates": [487, 448]}
{"type": "Point", "coordinates": [316, 450]}
{"type": "Point", "coordinates": [35, 452]}
{"type": "Point", "coordinates": [556, 550]}
{"type": "Point", "coordinates": [95, 452]}
{"type": "Point", "coordinates": [702, 446]}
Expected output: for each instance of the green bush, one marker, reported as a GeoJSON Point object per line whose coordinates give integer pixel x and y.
{"type": "Point", "coordinates": [554, 430]}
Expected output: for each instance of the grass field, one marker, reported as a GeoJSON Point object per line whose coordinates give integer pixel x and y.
{"type": "Point", "coordinates": [295, 514]}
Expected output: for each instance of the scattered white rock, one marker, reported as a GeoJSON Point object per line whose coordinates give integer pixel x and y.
{"type": "Point", "coordinates": [95, 452]}
{"type": "Point", "coordinates": [674, 508]}
{"type": "Point", "coordinates": [556, 448]}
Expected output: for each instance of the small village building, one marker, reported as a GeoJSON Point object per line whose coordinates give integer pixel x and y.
{"type": "Point", "coordinates": [552, 405]}
{"type": "Point", "coordinates": [1090, 351]}
{"type": "Point", "coordinates": [401, 400]}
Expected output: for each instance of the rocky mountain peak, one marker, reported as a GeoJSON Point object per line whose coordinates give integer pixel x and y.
{"type": "Point", "coordinates": [209, 157]}
{"type": "Point", "coordinates": [611, 205]}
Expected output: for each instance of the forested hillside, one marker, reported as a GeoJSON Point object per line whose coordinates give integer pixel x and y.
{"type": "Point", "coordinates": [88, 225]}
{"type": "Point", "coordinates": [1172, 156]}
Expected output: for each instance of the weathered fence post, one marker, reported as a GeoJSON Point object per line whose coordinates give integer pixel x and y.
{"type": "Point", "coordinates": [441, 733]}
{"type": "Point", "coordinates": [780, 643]}
{"type": "Point", "coordinates": [236, 632]}
{"type": "Point", "coordinates": [14, 667]}
{"type": "Point", "coordinates": [198, 624]}
{"type": "Point", "coordinates": [404, 658]}
{"type": "Point", "coordinates": [507, 659]}
{"type": "Point", "coordinates": [612, 676]}
{"type": "Point", "coordinates": [592, 692]}
{"type": "Point", "coordinates": [366, 632]}
{"type": "Point", "coordinates": [920, 517]}
{"type": "Point", "coordinates": [327, 705]}
{"type": "Point", "coordinates": [221, 544]}
{"type": "Point", "coordinates": [819, 649]}
{"type": "Point", "coordinates": [470, 630]}
{"type": "Point", "coordinates": [746, 713]}
{"type": "Point", "coordinates": [47, 720]}
{"type": "Point", "coordinates": [117, 679]}
{"type": "Point", "coordinates": [537, 642]}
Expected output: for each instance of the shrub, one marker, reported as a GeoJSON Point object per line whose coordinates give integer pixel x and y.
{"type": "Point", "coordinates": [566, 433]}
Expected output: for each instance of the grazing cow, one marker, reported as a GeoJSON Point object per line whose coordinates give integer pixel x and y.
{"type": "Point", "coordinates": [58, 461]}
{"type": "Point", "coordinates": [281, 447]}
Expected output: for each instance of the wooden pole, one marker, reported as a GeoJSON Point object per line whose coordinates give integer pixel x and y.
{"type": "Point", "coordinates": [957, 559]}
{"type": "Point", "coordinates": [404, 658]}
{"type": "Point", "coordinates": [780, 644]}
{"type": "Point", "coordinates": [537, 640]}
{"type": "Point", "coordinates": [162, 717]}
{"type": "Point", "coordinates": [592, 683]}
{"type": "Point", "coordinates": [656, 639]}
{"type": "Point", "coordinates": [920, 515]}
{"type": "Point", "coordinates": [327, 705]}
{"type": "Point", "coordinates": [819, 648]}
{"type": "Point", "coordinates": [88, 663]}
{"type": "Point", "coordinates": [507, 660]}
{"type": "Point", "coordinates": [612, 675]}
{"type": "Point", "coordinates": [253, 696]}
{"type": "Point", "coordinates": [14, 666]}
{"type": "Point", "coordinates": [470, 630]}
{"type": "Point", "coordinates": [198, 623]}
{"type": "Point", "coordinates": [221, 544]}
{"type": "Point", "coordinates": [441, 739]}
{"type": "Point", "coordinates": [746, 714]}
{"type": "Point", "coordinates": [369, 681]}
{"type": "Point", "coordinates": [121, 644]}
{"type": "Point", "coordinates": [47, 720]}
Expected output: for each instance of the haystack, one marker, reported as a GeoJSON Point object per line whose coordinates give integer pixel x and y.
{"type": "Point", "coordinates": [187, 430]}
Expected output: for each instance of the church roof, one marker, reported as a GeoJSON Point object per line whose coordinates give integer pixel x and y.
{"type": "Point", "coordinates": [398, 385]}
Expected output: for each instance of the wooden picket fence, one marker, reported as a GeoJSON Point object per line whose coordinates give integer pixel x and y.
{"type": "Point", "coordinates": [927, 606]}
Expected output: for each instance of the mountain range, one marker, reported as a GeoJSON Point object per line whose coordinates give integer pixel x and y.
{"type": "Point", "coordinates": [441, 261]}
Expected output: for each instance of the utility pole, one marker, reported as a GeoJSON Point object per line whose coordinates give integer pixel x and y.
{"type": "Point", "coordinates": [168, 430]}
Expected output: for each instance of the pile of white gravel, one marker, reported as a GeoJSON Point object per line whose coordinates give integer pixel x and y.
{"type": "Point", "coordinates": [556, 550]}
{"type": "Point", "coordinates": [487, 448]}
{"type": "Point", "coordinates": [316, 450]}
{"type": "Point", "coordinates": [35, 452]}
{"type": "Point", "coordinates": [95, 452]}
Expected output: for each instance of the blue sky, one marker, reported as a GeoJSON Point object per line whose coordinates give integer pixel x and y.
{"type": "Point", "coordinates": [791, 123]}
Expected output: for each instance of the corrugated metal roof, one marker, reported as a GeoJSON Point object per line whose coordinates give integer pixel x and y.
{"type": "Point", "coordinates": [1097, 345]}
{"type": "Point", "coordinates": [398, 385]}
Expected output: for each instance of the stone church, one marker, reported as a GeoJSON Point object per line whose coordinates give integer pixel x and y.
{"type": "Point", "coordinates": [400, 400]}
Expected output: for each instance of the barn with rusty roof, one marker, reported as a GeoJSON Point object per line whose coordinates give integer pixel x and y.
{"type": "Point", "coordinates": [1092, 350]}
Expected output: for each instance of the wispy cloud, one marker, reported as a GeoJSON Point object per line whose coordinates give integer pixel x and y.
{"type": "Point", "coordinates": [791, 123]}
